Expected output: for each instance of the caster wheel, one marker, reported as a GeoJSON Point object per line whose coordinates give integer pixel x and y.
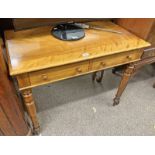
{"type": "Point", "coordinates": [36, 131]}
{"type": "Point", "coordinates": [116, 101]}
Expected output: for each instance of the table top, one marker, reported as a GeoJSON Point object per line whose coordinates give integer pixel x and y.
{"type": "Point", "coordinates": [35, 49]}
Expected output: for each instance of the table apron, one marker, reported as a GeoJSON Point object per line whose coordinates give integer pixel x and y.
{"type": "Point", "coordinates": [50, 75]}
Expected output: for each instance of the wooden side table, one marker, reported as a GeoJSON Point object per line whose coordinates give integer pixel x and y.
{"type": "Point", "coordinates": [36, 58]}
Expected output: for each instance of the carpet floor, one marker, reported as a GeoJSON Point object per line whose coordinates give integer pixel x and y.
{"type": "Point", "coordinates": [79, 107]}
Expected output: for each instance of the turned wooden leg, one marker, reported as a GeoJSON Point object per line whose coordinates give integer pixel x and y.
{"type": "Point", "coordinates": [98, 78]}
{"type": "Point", "coordinates": [124, 81]}
{"type": "Point", "coordinates": [94, 76]}
{"type": "Point", "coordinates": [154, 85]}
{"type": "Point", "coordinates": [31, 109]}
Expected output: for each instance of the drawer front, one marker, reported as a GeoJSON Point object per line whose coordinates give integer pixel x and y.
{"type": "Point", "coordinates": [116, 60]}
{"type": "Point", "coordinates": [58, 73]}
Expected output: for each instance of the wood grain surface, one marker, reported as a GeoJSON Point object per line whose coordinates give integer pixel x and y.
{"type": "Point", "coordinates": [36, 49]}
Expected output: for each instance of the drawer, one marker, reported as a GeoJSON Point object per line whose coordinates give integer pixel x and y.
{"type": "Point", "coordinates": [58, 73]}
{"type": "Point", "coordinates": [116, 60]}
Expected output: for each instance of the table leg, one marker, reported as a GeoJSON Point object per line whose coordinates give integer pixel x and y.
{"type": "Point", "coordinates": [31, 109]}
{"type": "Point", "coordinates": [154, 85]}
{"type": "Point", "coordinates": [125, 78]}
{"type": "Point", "coordinates": [98, 78]}
{"type": "Point", "coordinates": [94, 76]}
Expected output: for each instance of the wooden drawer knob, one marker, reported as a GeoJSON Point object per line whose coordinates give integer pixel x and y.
{"type": "Point", "coordinates": [79, 70]}
{"type": "Point", "coordinates": [129, 57]}
{"type": "Point", "coordinates": [102, 64]}
{"type": "Point", "coordinates": [44, 76]}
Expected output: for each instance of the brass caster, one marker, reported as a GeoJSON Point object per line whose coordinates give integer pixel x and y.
{"type": "Point", "coordinates": [36, 131]}
{"type": "Point", "coordinates": [116, 101]}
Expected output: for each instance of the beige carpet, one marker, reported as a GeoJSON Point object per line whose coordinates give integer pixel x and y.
{"type": "Point", "coordinates": [79, 107]}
